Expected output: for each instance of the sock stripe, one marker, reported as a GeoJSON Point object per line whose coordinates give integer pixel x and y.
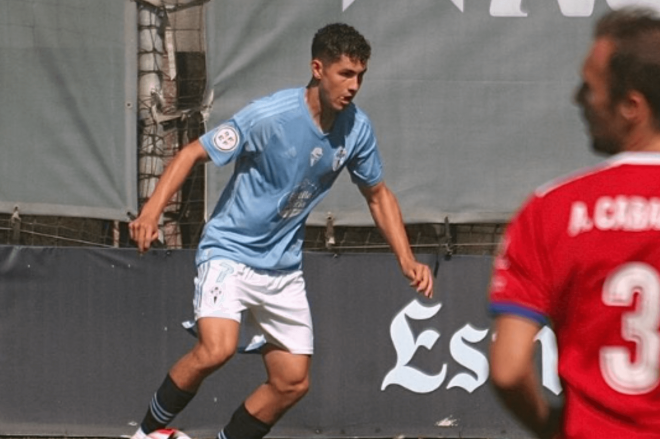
{"type": "Point", "coordinates": [166, 403]}
{"type": "Point", "coordinates": [159, 412]}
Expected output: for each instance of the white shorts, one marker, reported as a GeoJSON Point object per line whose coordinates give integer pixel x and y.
{"type": "Point", "coordinates": [274, 303]}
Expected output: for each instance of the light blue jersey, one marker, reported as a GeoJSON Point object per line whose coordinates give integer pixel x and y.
{"type": "Point", "coordinates": [284, 166]}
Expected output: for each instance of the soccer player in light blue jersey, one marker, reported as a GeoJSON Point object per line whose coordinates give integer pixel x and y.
{"type": "Point", "coordinates": [288, 149]}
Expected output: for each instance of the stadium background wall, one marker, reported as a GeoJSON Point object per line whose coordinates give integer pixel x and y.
{"type": "Point", "coordinates": [172, 78]}
{"type": "Point", "coordinates": [475, 80]}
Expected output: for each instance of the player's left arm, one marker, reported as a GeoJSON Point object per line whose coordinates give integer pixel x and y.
{"type": "Point", "coordinates": [386, 213]}
{"type": "Point", "coordinates": [513, 374]}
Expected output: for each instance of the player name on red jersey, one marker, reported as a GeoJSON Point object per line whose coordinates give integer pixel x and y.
{"type": "Point", "coordinates": [620, 213]}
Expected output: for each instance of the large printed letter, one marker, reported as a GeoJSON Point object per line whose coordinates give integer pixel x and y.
{"type": "Point", "coordinates": [549, 357]}
{"type": "Point", "coordinates": [406, 345]}
{"type": "Point", "coordinates": [569, 8]}
{"type": "Point", "coordinates": [469, 357]}
{"type": "Point", "coordinates": [460, 4]}
{"type": "Point", "coordinates": [345, 4]}
{"type": "Point", "coordinates": [619, 4]}
{"type": "Point", "coordinates": [575, 8]}
{"type": "Point", "coordinates": [506, 8]}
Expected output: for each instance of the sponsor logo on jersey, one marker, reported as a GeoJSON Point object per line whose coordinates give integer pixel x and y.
{"type": "Point", "coordinates": [225, 138]}
{"type": "Point", "coordinates": [297, 200]}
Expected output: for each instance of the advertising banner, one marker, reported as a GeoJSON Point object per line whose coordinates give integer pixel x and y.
{"type": "Point", "coordinates": [87, 336]}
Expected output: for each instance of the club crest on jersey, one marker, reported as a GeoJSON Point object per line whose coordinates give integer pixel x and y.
{"type": "Point", "coordinates": [315, 156]}
{"type": "Point", "coordinates": [340, 156]}
{"type": "Point", "coordinates": [225, 138]}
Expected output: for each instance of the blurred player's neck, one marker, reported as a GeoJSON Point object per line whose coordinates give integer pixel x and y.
{"type": "Point", "coordinates": [649, 146]}
{"type": "Point", "coordinates": [643, 140]}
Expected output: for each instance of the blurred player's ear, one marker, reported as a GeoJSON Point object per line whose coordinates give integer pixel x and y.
{"type": "Point", "coordinates": [634, 107]}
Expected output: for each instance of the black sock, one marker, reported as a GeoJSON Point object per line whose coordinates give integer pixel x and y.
{"type": "Point", "coordinates": [243, 425]}
{"type": "Point", "coordinates": [168, 401]}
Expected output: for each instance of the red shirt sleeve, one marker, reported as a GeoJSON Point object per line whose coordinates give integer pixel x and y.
{"type": "Point", "coordinates": [520, 282]}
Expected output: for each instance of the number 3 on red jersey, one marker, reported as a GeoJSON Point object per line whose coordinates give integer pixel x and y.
{"type": "Point", "coordinates": [639, 326]}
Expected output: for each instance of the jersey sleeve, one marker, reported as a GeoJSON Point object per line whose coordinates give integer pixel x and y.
{"type": "Point", "coordinates": [366, 167]}
{"type": "Point", "coordinates": [520, 281]}
{"type": "Point", "coordinates": [224, 143]}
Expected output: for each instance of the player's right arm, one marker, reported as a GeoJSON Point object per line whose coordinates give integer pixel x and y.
{"type": "Point", "coordinates": [520, 301]}
{"type": "Point", "coordinates": [513, 374]}
{"type": "Point", "coordinates": [144, 229]}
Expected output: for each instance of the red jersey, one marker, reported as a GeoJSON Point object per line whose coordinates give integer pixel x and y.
{"type": "Point", "coordinates": [584, 254]}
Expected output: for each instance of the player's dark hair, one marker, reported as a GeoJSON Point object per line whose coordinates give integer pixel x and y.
{"type": "Point", "coordinates": [337, 39]}
{"type": "Point", "coordinates": [635, 63]}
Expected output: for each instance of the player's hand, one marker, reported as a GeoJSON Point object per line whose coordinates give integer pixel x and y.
{"type": "Point", "coordinates": [420, 277]}
{"type": "Point", "coordinates": [144, 231]}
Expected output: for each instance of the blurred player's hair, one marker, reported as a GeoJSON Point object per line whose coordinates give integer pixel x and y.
{"type": "Point", "coordinates": [337, 39]}
{"type": "Point", "coordinates": [635, 63]}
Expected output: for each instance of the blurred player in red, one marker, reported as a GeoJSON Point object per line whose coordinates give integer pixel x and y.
{"type": "Point", "coordinates": [583, 254]}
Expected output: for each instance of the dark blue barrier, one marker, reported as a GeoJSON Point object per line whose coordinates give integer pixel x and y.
{"type": "Point", "coordinates": [87, 335]}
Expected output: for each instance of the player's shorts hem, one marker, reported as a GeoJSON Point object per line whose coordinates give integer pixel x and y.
{"type": "Point", "coordinates": [218, 315]}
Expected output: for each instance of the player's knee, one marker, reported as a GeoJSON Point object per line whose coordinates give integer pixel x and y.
{"type": "Point", "coordinates": [293, 388]}
{"type": "Point", "coordinates": [297, 390]}
{"type": "Point", "coordinates": [302, 387]}
{"type": "Point", "coordinates": [212, 357]}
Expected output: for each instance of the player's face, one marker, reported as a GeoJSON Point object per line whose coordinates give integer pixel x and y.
{"type": "Point", "coordinates": [593, 96]}
{"type": "Point", "coordinates": [339, 81]}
